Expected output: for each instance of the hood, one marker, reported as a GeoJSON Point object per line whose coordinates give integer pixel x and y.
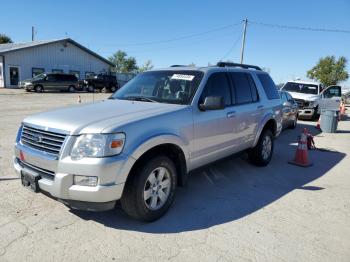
{"type": "Point", "coordinates": [95, 117]}
{"type": "Point", "coordinates": [306, 97]}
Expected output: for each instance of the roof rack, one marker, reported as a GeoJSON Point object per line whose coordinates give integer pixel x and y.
{"type": "Point", "coordinates": [229, 64]}
{"type": "Point", "coordinates": [179, 66]}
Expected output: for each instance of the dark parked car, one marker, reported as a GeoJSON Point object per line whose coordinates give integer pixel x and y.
{"type": "Point", "coordinates": [290, 110]}
{"type": "Point", "coordinates": [51, 81]}
{"type": "Point", "coordinates": [102, 83]}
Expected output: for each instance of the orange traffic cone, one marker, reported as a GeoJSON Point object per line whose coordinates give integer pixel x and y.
{"type": "Point", "coordinates": [79, 99]}
{"type": "Point", "coordinates": [301, 156]}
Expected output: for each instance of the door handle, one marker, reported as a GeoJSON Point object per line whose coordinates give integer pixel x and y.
{"type": "Point", "coordinates": [260, 107]}
{"type": "Point", "coordinates": [231, 114]}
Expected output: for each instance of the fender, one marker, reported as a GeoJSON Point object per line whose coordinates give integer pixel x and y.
{"type": "Point", "coordinates": [160, 140]}
{"type": "Point", "coordinates": [261, 126]}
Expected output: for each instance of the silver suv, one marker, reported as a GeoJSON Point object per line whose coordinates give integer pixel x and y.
{"type": "Point", "coordinates": [142, 142]}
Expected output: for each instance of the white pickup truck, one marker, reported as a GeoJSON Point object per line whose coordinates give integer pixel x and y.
{"type": "Point", "coordinates": [311, 97]}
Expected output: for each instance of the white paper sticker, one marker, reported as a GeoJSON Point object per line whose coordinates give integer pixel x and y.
{"type": "Point", "coordinates": [182, 77]}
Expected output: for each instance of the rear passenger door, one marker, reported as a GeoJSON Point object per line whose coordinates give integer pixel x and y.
{"type": "Point", "coordinates": [247, 108]}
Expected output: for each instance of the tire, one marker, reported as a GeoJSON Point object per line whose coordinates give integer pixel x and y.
{"type": "Point", "coordinates": [294, 124]}
{"type": "Point", "coordinates": [91, 89]}
{"type": "Point", "coordinates": [144, 181]}
{"type": "Point", "coordinates": [315, 115]}
{"type": "Point", "coordinates": [257, 155]}
{"type": "Point", "coordinates": [104, 90]}
{"type": "Point", "coordinates": [113, 89]}
{"type": "Point", "coordinates": [39, 89]}
{"type": "Point", "coordinates": [71, 89]}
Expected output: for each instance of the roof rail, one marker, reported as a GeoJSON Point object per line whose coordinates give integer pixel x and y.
{"type": "Point", "coordinates": [178, 66]}
{"type": "Point", "coordinates": [229, 64]}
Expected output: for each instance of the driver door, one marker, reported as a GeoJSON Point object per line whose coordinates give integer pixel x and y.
{"type": "Point", "coordinates": [330, 98]}
{"type": "Point", "coordinates": [213, 129]}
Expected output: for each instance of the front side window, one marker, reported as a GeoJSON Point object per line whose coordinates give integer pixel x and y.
{"type": "Point", "coordinates": [217, 85]}
{"type": "Point", "coordinates": [37, 71]}
{"type": "Point", "coordinates": [173, 87]}
{"type": "Point", "coordinates": [89, 75]}
{"type": "Point", "coordinates": [75, 72]}
{"type": "Point", "coordinates": [333, 91]}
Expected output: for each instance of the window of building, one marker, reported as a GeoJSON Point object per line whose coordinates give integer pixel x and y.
{"type": "Point", "coordinates": [57, 70]}
{"type": "Point", "coordinates": [75, 72]}
{"type": "Point", "coordinates": [37, 71]}
{"type": "Point", "coordinates": [217, 85]}
{"type": "Point", "coordinates": [89, 75]}
{"type": "Point", "coordinates": [269, 86]}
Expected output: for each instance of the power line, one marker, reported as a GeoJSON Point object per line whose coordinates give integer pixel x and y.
{"type": "Point", "coordinates": [180, 37]}
{"type": "Point", "coordinates": [301, 28]}
{"type": "Point", "coordinates": [231, 48]}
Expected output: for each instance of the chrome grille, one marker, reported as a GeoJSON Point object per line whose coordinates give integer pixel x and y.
{"type": "Point", "coordinates": [45, 141]}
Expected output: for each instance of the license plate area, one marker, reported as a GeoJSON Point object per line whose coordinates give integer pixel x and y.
{"type": "Point", "coordinates": [30, 180]}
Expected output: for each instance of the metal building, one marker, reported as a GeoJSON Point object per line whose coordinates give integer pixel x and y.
{"type": "Point", "coordinates": [20, 61]}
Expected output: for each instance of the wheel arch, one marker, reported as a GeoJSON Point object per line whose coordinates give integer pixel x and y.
{"type": "Point", "coordinates": [268, 122]}
{"type": "Point", "coordinates": [167, 147]}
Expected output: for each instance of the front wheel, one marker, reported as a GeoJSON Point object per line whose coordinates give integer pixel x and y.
{"type": "Point", "coordinates": [39, 89]}
{"type": "Point", "coordinates": [91, 89]}
{"type": "Point", "coordinates": [261, 154]}
{"type": "Point", "coordinates": [150, 190]}
{"type": "Point", "coordinates": [113, 89]}
{"type": "Point", "coordinates": [294, 124]}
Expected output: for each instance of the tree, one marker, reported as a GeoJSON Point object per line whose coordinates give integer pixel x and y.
{"type": "Point", "coordinates": [123, 63]}
{"type": "Point", "coordinates": [4, 39]}
{"type": "Point", "coordinates": [146, 66]}
{"type": "Point", "coordinates": [329, 71]}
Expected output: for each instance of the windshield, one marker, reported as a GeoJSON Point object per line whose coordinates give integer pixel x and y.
{"type": "Point", "coordinates": [301, 88]}
{"type": "Point", "coordinates": [172, 87]}
{"type": "Point", "coordinates": [40, 76]}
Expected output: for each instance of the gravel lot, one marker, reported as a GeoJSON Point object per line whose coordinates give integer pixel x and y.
{"type": "Point", "coordinates": [229, 211]}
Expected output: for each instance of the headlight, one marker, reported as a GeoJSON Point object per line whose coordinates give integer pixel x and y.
{"type": "Point", "coordinates": [97, 145]}
{"type": "Point", "coordinates": [311, 103]}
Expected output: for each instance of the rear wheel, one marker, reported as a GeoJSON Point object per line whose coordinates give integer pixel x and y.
{"type": "Point", "coordinates": [150, 190]}
{"type": "Point", "coordinates": [71, 89]}
{"type": "Point", "coordinates": [38, 89]}
{"type": "Point", "coordinates": [104, 90]}
{"type": "Point", "coordinates": [261, 154]}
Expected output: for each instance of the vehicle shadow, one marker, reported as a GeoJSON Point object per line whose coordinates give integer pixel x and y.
{"type": "Point", "coordinates": [230, 189]}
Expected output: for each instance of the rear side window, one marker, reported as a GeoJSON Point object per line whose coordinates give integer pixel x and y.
{"type": "Point", "coordinates": [217, 85]}
{"type": "Point", "coordinates": [244, 88]}
{"type": "Point", "coordinates": [269, 86]}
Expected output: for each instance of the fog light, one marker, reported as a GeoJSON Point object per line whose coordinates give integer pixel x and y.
{"type": "Point", "coordinates": [85, 180]}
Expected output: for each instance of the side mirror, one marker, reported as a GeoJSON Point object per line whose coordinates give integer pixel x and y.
{"type": "Point", "coordinates": [287, 104]}
{"type": "Point", "coordinates": [212, 103]}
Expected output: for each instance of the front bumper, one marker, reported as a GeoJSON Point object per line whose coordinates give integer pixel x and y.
{"type": "Point", "coordinates": [306, 113]}
{"type": "Point", "coordinates": [56, 177]}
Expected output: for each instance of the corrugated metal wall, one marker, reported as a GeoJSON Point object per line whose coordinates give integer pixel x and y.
{"type": "Point", "coordinates": [53, 56]}
{"type": "Point", "coordinates": [1, 73]}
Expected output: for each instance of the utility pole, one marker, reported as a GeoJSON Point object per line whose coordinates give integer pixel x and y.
{"type": "Point", "coordinates": [33, 33]}
{"type": "Point", "coordinates": [243, 39]}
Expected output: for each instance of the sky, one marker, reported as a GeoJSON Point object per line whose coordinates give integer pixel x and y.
{"type": "Point", "coordinates": [184, 32]}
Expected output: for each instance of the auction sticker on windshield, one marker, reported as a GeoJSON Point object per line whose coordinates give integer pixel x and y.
{"type": "Point", "coordinates": [182, 77]}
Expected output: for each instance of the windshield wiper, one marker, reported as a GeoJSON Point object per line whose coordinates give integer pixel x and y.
{"type": "Point", "coordinates": [141, 98]}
